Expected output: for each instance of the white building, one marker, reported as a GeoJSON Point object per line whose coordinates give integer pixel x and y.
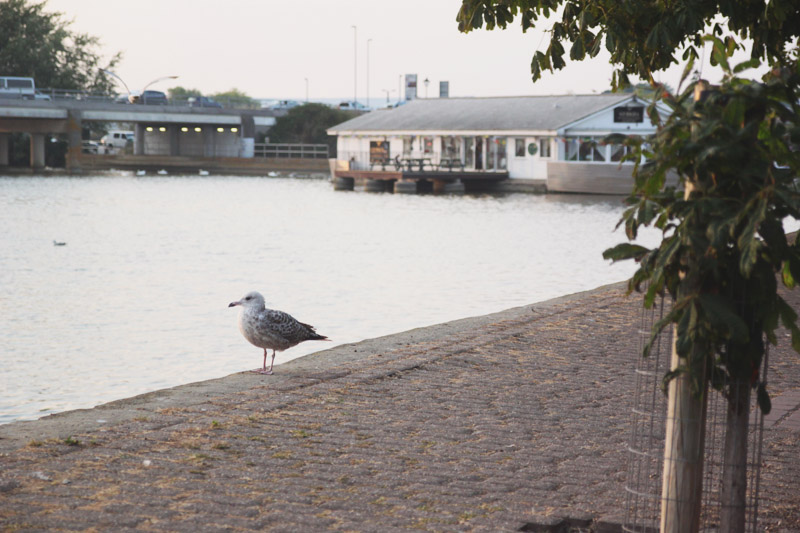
{"type": "Point", "coordinates": [557, 140]}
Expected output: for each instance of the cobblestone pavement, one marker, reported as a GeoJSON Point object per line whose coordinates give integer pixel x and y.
{"type": "Point", "coordinates": [514, 419]}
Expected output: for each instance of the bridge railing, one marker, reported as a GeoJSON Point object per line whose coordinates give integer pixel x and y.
{"type": "Point", "coordinates": [218, 102]}
{"type": "Point", "coordinates": [297, 151]}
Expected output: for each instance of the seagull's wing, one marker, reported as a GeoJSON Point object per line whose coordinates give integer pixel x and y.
{"type": "Point", "coordinates": [285, 325]}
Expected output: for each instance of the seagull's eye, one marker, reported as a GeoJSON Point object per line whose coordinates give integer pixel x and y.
{"type": "Point", "coordinates": [248, 298]}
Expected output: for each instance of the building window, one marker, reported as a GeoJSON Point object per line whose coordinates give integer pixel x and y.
{"type": "Point", "coordinates": [408, 146]}
{"type": "Point", "coordinates": [519, 147]}
{"type": "Point", "coordinates": [618, 151]}
{"type": "Point", "coordinates": [496, 153]}
{"type": "Point", "coordinates": [544, 147]}
{"type": "Point", "coordinates": [427, 145]}
{"type": "Point", "coordinates": [450, 148]}
{"type": "Point", "coordinates": [591, 149]}
{"type": "Point", "coordinates": [378, 151]}
{"type": "Point", "coordinates": [469, 152]}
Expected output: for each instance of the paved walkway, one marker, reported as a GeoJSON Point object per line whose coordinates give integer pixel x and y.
{"type": "Point", "coordinates": [485, 424]}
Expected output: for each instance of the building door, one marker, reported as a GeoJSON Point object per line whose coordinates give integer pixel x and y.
{"type": "Point", "coordinates": [478, 153]}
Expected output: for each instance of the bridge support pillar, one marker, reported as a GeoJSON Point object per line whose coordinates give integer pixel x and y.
{"type": "Point", "coordinates": [74, 127]}
{"type": "Point", "coordinates": [209, 142]}
{"type": "Point", "coordinates": [138, 139]}
{"type": "Point", "coordinates": [3, 149]}
{"type": "Point", "coordinates": [405, 187]}
{"type": "Point", "coordinates": [248, 136]}
{"type": "Point", "coordinates": [37, 150]}
{"type": "Point", "coordinates": [174, 143]}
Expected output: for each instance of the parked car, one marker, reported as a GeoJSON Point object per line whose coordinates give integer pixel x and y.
{"type": "Point", "coordinates": [353, 106]}
{"type": "Point", "coordinates": [17, 87]}
{"type": "Point", "coordinates": [153, 98]}
{"type": "Point", "coordinates": [204, 101]}
{"type": "Point", "coordinates": [89, 147]}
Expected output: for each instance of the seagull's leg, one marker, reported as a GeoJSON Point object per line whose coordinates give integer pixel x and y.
{"type": "Point", "coordinates": [270, 363]}
{"type": "Point", "coordinates": [263, 369]}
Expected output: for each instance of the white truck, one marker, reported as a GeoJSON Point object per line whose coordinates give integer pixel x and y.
{"type": "Point", "coordinates": [17, 87]}
{"type": "Point", "coordinates": [115, 140]}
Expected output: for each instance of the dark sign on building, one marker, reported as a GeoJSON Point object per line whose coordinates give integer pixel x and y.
{"type": "Point", "coordinates": [629, 114]}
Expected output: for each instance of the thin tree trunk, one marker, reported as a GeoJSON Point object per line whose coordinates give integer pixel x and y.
{"type": "Point", "coordinates": [734, 468]}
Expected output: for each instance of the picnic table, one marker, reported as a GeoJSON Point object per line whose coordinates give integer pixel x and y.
{"type": "Point", "coordinates": [419, 162]}
{"type": "Point", "coordinates": [451, 162]}
{"type": "Point", "coordinates": [382, 161]}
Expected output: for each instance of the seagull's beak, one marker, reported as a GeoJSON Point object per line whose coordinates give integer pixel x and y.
{"type": "Point", "coordinates": [234, 304]}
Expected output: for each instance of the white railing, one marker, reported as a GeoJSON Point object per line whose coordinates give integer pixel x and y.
{"type": "Point", "coordinates": [411, 162]}
{"type": "Point", "coordinates": [293, 151]}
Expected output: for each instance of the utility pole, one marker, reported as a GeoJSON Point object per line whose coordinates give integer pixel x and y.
{"type": "Point", "coordinates": [368, 41]}
{"type": "Point", "coordinates": [355, 65]}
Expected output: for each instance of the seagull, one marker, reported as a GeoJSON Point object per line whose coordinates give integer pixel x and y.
{"type": "Point", "coordinates": [270, 329]}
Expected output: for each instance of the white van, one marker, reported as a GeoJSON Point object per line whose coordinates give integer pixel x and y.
{"type": "Point", "coordinates": [16, 87]}
{"type": "Point", "coordinates": [116, 139]}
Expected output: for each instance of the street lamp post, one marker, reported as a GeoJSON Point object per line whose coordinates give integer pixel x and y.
{"type": "Point", "coordinates": [133, 97]}
{"type": "Point", "coordinates": [427, 81]}
{"type": "Point", "coordinates": [355, 65]}
{"type": "Point", "coordinates": [368, 41]}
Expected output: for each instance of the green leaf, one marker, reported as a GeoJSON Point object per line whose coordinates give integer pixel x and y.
{"type": "Point", "coordinates": [721, 314]}
{"type": "Point", "coordinates": [624, 251]}
{"type": "Point", "coordinates": [788, 278]}
{"type": "Point", "coordinates": [687, 70]}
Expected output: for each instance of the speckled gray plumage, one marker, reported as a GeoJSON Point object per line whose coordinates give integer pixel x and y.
{"type": "Point", "coordinates": [271, 329]}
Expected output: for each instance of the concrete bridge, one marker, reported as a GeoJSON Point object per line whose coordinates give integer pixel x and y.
{"type": "Point", "coordinates": [164, 130]}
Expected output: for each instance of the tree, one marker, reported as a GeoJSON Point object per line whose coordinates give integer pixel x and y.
{"type": "Point", "coordinates": [38, 44]}
{"type": "Point", "coordinates": [734, 148]}
{"type": "Point", "coordinates": [181, 94]}
{"type": "Point", "coordinates": [236, 98]}
{"type": "Point", "coordinates": [642, 37]}
{"type": "Point", "coordinates": [307, 124]}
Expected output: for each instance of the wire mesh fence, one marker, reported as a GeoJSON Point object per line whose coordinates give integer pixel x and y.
{"type": "Point", "coordinates": [643, 486]}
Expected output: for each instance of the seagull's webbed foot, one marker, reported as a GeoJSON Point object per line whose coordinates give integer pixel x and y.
{"type": "Point", "coordinates": [262, 371]}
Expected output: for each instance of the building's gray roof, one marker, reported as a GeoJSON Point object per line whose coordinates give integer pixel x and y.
{"type": "Point", "coordinates": [533, 113]}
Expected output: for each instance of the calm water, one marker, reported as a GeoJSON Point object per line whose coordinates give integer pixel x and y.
{"type": "Point", "coordinates": [137, 299]}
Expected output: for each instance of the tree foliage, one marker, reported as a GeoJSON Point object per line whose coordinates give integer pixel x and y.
{"type": "Point", "coordinates": [641, 36]}
{"type": "Point", "coordinates": [735, 150]}
{"type": "Point", "coordinates": [308, 124]}
{"type": "Point", "coordinates": [39, 44]}
{"type": "Point", "coordinates": [181, 94]}
{"type": "Point", "coordinates": [236, 98]}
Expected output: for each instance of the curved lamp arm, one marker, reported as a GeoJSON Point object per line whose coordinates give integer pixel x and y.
{"type": "Point", "coordinates": [118, 78]}
{"type": "Point", "coordinates": [158, 80]}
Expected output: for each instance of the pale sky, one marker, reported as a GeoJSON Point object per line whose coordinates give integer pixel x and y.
{"type": "Point", "coordinates": [268, 48]}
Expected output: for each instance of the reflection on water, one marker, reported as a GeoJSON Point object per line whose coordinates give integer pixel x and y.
{"type": "Point", "coordinates": [137, 298]}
